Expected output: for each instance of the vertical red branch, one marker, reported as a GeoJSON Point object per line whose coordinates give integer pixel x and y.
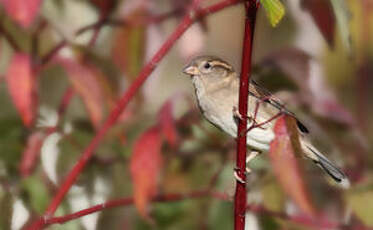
{"type": "Point", "coordinates": [240, 196]}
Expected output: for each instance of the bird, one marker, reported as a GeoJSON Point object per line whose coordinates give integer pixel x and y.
{"type": "Point", "coordinates": [216, 86]}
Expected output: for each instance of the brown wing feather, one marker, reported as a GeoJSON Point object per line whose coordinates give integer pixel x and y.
{"type": "Point", "coordinates": [261, 93]}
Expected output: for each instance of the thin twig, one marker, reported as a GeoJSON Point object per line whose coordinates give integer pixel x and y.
{"type": "Point", "coordinates": [65, 101]}
{"type": "Point", "coordinates": [259, 125]}
{"type": "Point", "coordinates": [129, 201]}
{"type": "Point", "coordinates": [96, 26]}
{"type": "Point", "coordinates": [35, 41]}
{"type": "Point", "coordinates": [259, 103]}
{"type": "Point", "coordinates": [9, 38]}
{"type": "Point", "coordinates": [53, 52]}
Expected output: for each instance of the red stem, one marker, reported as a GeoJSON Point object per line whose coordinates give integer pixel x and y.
{"type": "Point", "coordinates": [240, 195]}
{"type": "Point", "coordinates": [96, 31]}
{"type": "Point", "coordinates": [259, 125]}
{"type": "Point", "coordinates": [53, 52]}
{"type": "Point", "coordinates": [65, 101]}
{"type": "Point", "coordinates": [258, 209]}
{"type": "Point", "coordinates": [126, 202]}
{"type": "Point", "coordinates": [191, 16]}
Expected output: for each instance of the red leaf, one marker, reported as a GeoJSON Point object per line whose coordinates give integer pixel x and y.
{"type": "Point", "coordinates": [332, 109]}
{"type": "Point", "coordinates": [282, 153]}
{"type": "Point", "coordinates": [128, 47]}
{"type": "Point", "coordinates": [146, 163]}
{"type": "Point", "coordinates": [83, 78]}
{"type": "Point", "coordinates": [22, 11]}
{"type": "Point", "coordinates": [167, 123]}
{"type": "Point", "coordinates": [21, 86]}
{"type": "Point", "coordinates": [323, 15]}
{"type": "Point", "coordinates": [31, 153]}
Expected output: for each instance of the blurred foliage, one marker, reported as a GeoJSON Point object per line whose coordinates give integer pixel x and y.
{"type": "Point", "coordinates": [323, 73]}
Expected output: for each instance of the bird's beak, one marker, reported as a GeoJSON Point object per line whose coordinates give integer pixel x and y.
{"type": "Point", "coordinates": [190, 70]}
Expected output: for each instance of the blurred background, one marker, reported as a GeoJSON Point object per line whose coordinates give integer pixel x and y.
{"type": "Point", "coordinates": [65, 64]}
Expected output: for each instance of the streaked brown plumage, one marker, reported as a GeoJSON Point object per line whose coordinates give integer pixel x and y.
{"type": "Point", "coordinates": [217, 85]}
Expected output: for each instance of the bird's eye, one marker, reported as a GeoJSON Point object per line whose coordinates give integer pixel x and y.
{"type": "Point", "coordinates": [207, 65]}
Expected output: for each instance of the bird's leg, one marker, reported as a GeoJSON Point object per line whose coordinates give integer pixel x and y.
{"type": "Point", "coordinates": [251, 157]}
{"type": "Point", "coordinates": [238, 115]}
{"type": "Point", "coordinates": [253, 153]}
{"type": "Point", "coordinates": [238, 178]}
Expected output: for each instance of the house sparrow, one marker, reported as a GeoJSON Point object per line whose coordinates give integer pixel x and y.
{"type": "Point", "coordinates": [216, 86]}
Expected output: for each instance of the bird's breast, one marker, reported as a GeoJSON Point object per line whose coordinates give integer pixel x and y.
{"type": "Point", "coordinates": [217, 108]}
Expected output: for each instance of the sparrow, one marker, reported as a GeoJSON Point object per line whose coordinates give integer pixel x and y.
{"type": "Point", "coordinates": [216, 87]}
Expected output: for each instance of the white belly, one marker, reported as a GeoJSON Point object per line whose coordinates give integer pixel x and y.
{"type": "Point", "coordinates": [257, 138]}
{"type": "Point", "coordinates": [212, 109]}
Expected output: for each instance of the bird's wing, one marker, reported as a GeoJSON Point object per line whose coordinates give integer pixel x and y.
{"type": "Point", "coordinates": [263, 94]}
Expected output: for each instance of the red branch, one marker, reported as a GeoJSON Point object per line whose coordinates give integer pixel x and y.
{"type": "Point", "coordinates": [240, 195]}
{"type": "Point", "coordinates": [193, 14]}
{"type": "Point", "coordinates": [258, 209]}
{"type": "Point", "coordinates": [130, 201]}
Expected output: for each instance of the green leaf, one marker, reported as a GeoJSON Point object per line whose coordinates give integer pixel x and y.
{"type": "Point", "coordinates": [273, 197]}
{"type": "Point", "coordinates": [37, 193]}
{"type": "Point", "coordinates": [219, 214]}
{"type": "Point", "coordinates": [6, 209]}
{"type": "Point", "coordinates": [343, 18]}
{"type": "Point", "coordinates": [274, 9]}
{"type": "Point", "coordinates": [361, 203]}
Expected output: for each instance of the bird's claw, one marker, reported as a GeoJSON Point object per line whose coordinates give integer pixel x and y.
{"type": "Point", "coordinates": [238, 178]}
{"type": "Point", "coordinates": [249, 158]}
{"type": "Point", "coordinates": [252, 155]}
{"type": "Point", "coordinates": [238, 115]}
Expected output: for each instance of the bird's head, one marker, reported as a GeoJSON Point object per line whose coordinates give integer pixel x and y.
{"type": "Point", "coordinates": [208, 69]}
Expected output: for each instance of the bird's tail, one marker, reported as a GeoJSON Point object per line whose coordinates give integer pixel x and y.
{"type": "Point", "coordinates": [332, 170]}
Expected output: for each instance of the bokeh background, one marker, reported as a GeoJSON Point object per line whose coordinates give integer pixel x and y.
{"type": "Point", "coordinates": [318, 60]}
